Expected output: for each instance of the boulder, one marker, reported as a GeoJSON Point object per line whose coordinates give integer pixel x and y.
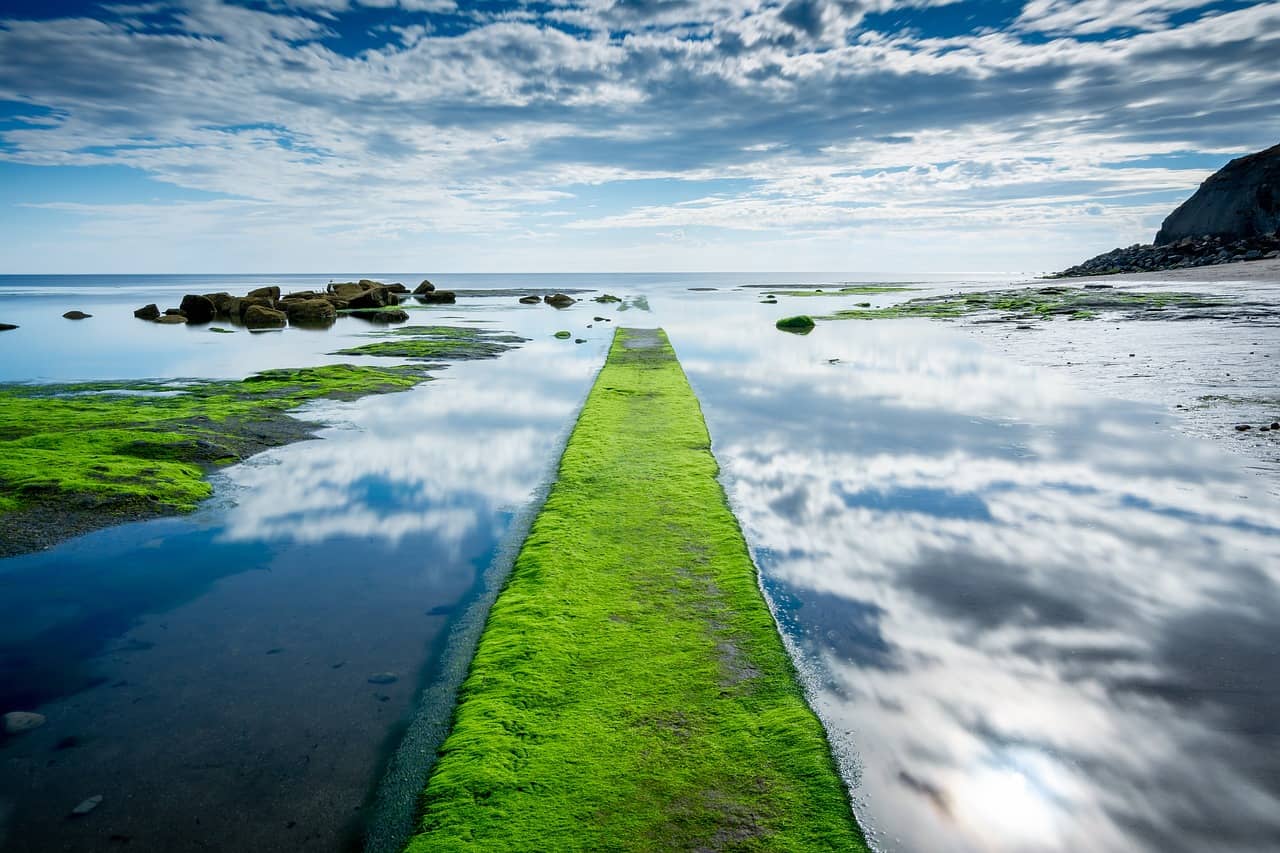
{"type": "Point", "coordinates": [263, 317]}
{"type": "Point", "coordinates": [171, 320]}
{"type": "Point", "coordinates": [337, 303]}
{"type": "Point", "coordinates": [147, 312]}
{"type": "Point", "coordinates": [199, 309]}
{"type": "Point", "coordinates": [77, 315]}
{"type": "Point", "coordinates": [374, 297]}
{"type": "Point", "coordinates": [302, 294]}
{"type": "Point", "coordinates": [17, 722]}
{"type": "Point", "coordinates": [347, 290]}
{"type": "Point", "coordinates": [243, 306]}
{"type": "Point", "coordinates": [1239, 201]}
{"type": "Point", "coordinates": [438, 297]}
{"type": "Point", "coordinates": [313, 311]}
{"type": "Point", "coordinates": [800, 325]}
{"type": "Point", "coordinates": [7, 327]}
{"type": "Point", "coordinates": [397, 287]}
{"type": "Point", "coordinates": [222, 302]}
{"type": "Point", "coordinates": [559, 300]}
{"type": "Point", "coordinates": [425, 287]}
{"type": "Point", "coordinates": [386, 315]}
{"type": "Point", "coordinates": [368, 283]}
{"type": "Point", "coordinates": [606, 298]}
{"type": "Point", "coordinates": [531, 300]}
{"type": "Point", "coordinates": [271, 292]}
{"type": "Point", "coordinates": [176, 312]}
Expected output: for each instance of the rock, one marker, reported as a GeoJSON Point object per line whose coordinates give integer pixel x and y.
{"type": "Point", "coordinates": [87, 806]}
{"type": "Point", "coordinates": [425, 287]}
{"type": "Point", "coordinates": [147, 312]}
{"type": "Point", "coordinates": [17, 722]}
{"type": "Point", "coordinates": [397, 287]}
{"type": "Point", "coordinates": [7, 327]}
{"type": "Point", "coordinates": [601, 320]}
{"type": "Point", "coordinates": [386, 315]}
{"type": "Point", "coordinates": [606, 298]}
{"type": "Point", "coordinates": [798, 325]}
{"type": "Point", "coordinates": [222, 303]}
{"type": "Point", "coordinates": [271, 292]}
{"type": "Point", "coordinates": [368, 283]}
{"type": "Point", "coordinates": [1275, 425]}
{"type": "Point", "coordinates": [1243, 427]}
{"type": "Point", "coordinates": [262, 317]}
{"type": "Point", "coordinates": [77, 315]}
{"type": "Point", "coordinates": [199, 309]}
{"type": "Point", "coordinates": [171, 320]}
{"type": "Point", "coordinates": [438, 297]}
{"type": "Point", "coordinates": [221, 331]}
{"type": "Point", "coordinates": [559, 300]}
{"type": "Point", "coordinates": [347, 290]}
{"type": "Point", "coordinates": [301, 294]}
{"type": "Point", "coordinates": [374, 297]}
{"type": "Point", "coordinates": [384, 678]}
{"type": "Point", "coordinates": [1240, 200]}
{"type": "Point", "coordinates": [579, 340]}
{"type": "Point", "coordinates": [176, 312]}
{"type": "Point", "coordinates": [531, 300]}
{"type": "Point", "coordinates": [314, 311]}
{"type": "Point", "coordinates": [563, 335]}
{"type": "Point", "coordinates": [243, 305]}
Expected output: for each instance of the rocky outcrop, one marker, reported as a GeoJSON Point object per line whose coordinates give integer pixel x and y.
{"type": "Point", "coordinates": [1241, 201]}
{"type": "Point", "coordinates": [77, 315]}
{"type": "Point", "coordinates": [425, 287]}
{"type": "Point", "coordinates": [272, 292]}
{"type": "Point", "coordinates": [437, 297]}
{"type": "Point", "coordinates": [148, 312]}
{"type": "Point", "coordinates": [1234, 216]}
{"type": "Point", "coordinates": [1188, 252]}
{"type": "Point", "coordinates": [7, 327]}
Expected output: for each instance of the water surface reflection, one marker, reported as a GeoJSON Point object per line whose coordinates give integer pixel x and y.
{"type": "Point", "coordinates": [1033, 620]}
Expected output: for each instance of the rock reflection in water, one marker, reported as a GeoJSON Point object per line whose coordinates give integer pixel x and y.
{"type": "Point", "coordinates": [1032, 620]}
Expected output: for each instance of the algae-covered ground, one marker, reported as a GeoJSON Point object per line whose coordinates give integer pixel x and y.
{"type": "Point", "coordinates": [630, 691]}
{"type": "Point", "coordinates": [427, 343]}
{"type": "Point", "coordinates": [76, 457]}
{"type": "Point", "coordinates": [1045, 303]}
{"type": "Point", "coordinates": [852, 290]}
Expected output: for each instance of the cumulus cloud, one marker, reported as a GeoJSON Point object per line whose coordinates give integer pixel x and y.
{"type": "Point", "coordinates": [419, 117]}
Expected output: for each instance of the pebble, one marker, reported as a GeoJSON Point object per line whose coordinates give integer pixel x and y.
{"type": "Point", "coordinates": [17, 722]}
{"type": "Point", "coordinates": [384, 678]}
{"type": "Point", "coordinates": [87, 806]}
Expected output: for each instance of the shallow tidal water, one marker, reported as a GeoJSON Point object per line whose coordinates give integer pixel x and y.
{"type": "Point", "coordinates": [1033, 613]}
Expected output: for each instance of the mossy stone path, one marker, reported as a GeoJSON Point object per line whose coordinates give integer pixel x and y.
{"type": "Point", "coordinates": [630, 691]}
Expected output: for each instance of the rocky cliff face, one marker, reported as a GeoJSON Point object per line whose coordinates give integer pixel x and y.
{"type": "Point", "coordinates": [1240, 201]}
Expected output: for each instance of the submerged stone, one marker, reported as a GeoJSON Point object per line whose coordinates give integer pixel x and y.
{"type": "Point", "coordinates": [18, 722]}
{"type": "Point", "coordinates": [147, 312]}
{"type": "Point", "coordinates": [77, 315]}
{"type": "Point", "coordinates": [87, 806]}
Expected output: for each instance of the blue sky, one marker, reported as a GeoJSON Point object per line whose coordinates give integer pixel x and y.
{"type": "Point", "coordinates": [603, 135]}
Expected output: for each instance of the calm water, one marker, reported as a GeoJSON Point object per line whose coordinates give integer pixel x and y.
{"type": "Point", "coordinates": [1033, 618]}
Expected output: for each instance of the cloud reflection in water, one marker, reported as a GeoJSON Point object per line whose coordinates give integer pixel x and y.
{"type": "Point", "coordinates": [1039, 622]}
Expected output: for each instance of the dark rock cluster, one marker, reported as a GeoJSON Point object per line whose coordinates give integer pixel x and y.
{"type": "Point", "coordinates": [267, 308]}
{"type": "Point", "coordinates": [1203, 251]}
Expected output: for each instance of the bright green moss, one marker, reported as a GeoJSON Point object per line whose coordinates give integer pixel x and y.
{"type": "Point", "coordinates": [1040, 303]}
{"type": "Point", "coordinates": [853, 290]}
{"type": "Point", "coordinates": [630, 691]}
{"type": "Point", "coordinates": [111, 451]}
{"type": "Point", "coordinates": [434, 343]}
{"type": "Point", "coordinates": [800, 325]}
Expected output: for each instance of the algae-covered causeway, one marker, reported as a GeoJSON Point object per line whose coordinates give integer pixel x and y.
{"type": "Point", "coordinates": [79, 457]}
{"type": "Point", "coordinates": [630, 691]}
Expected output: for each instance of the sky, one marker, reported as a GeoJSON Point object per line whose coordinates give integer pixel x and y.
{"type": "Point", "coordinates": [615, 135]}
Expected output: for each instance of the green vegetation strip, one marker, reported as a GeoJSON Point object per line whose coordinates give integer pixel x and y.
{"type": "Point", "coordinates": [630, 691]}
{"type": "Point", "coordinates": [426, 343]}
{"type": "Point", "coordinates": [1042, 303]}
{"type": "Point", "coordinates": [76, 457]}
{"type": "Point", "coordinates": [854, 290]}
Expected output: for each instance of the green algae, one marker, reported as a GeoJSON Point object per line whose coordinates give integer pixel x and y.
{"type": "Point", "coordinates": [430, 343]}
{"type": "Point", "coordinates": [853, 290]}
{"type": "Point", "coordinates": [76, 457]}
{"type": "Point", "coordinates": [1043, 303]}
{"type": "Point", "coordinates": [630, 691]}
{"type": "Point", "coordinates": [563, 335]}
{"type": "Point", "coordinates": [798, 325]}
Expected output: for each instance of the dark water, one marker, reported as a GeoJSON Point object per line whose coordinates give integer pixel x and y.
{"type": "Point", "coordinates": [1032, 618]}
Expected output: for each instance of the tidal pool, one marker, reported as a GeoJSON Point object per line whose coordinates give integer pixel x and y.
{"type": "Point", "coordinates": [1032, 613]}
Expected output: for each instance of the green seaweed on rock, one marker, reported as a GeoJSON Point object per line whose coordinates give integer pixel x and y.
{"type": "Point", "coordinates": [630, 691]}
